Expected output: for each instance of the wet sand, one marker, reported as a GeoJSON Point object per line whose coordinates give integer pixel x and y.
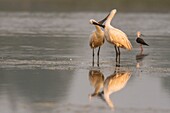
{"type": "Point", "coordinates": [45, 62]}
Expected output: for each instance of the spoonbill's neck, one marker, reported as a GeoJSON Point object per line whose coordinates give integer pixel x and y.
{"type": "Point", "coordinates": [109, 19]}
{"type": "Point", "coordinates": [98, 28]}
{"type": "Point", "coordinates": [111, 15]}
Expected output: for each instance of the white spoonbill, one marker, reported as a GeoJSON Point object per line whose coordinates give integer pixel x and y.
{"type": "Point", "coordinates": [96, 38]}
{"type": "Point", "coordinates": [115, 36]}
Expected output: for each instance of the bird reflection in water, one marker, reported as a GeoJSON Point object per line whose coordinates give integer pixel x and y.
{"type": "Point", "coordinates": [114, 83]}
{"type": "Point", "coordinates": [111, 84]}
{"type": "Point", "coordinates": [96, 79]}
{"type": "Point", "coordinates": [139, 59]}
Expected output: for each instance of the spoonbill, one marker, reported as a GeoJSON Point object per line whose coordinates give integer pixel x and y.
{"type": "Point", "coordinates": [115, 36]}
{"type": "Point", "coordinates": [140, 40]}
{"type": "Point", "coordinates": [96, 39]}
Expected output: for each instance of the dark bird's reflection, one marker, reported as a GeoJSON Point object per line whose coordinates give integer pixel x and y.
{"type": "Point", "coordinates": [96, 79]}
{"type": "Point", "coordinates": [112, 83]}
{"type": "Point", "coordinates": [139, 59]}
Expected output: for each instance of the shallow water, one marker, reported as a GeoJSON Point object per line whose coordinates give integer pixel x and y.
{"type": "Point", "coordinates": [45, 63]}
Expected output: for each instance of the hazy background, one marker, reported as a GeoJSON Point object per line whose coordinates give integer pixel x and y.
{"type": "Point", "coordinates": [85, 5]}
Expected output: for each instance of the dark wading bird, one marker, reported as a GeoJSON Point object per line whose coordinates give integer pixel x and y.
{"type": "Point", "coordinates": [115, 36]}
{"type": "Point", "coordinates": [140, 41]}
{"type": "Point", "coordinates": [96, 39]}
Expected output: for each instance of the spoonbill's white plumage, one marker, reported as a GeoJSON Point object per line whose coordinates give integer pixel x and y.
{"type": "Point", "coordinates": [115, 36]}
{"type": "Point", "coordinates": [96, 38]}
